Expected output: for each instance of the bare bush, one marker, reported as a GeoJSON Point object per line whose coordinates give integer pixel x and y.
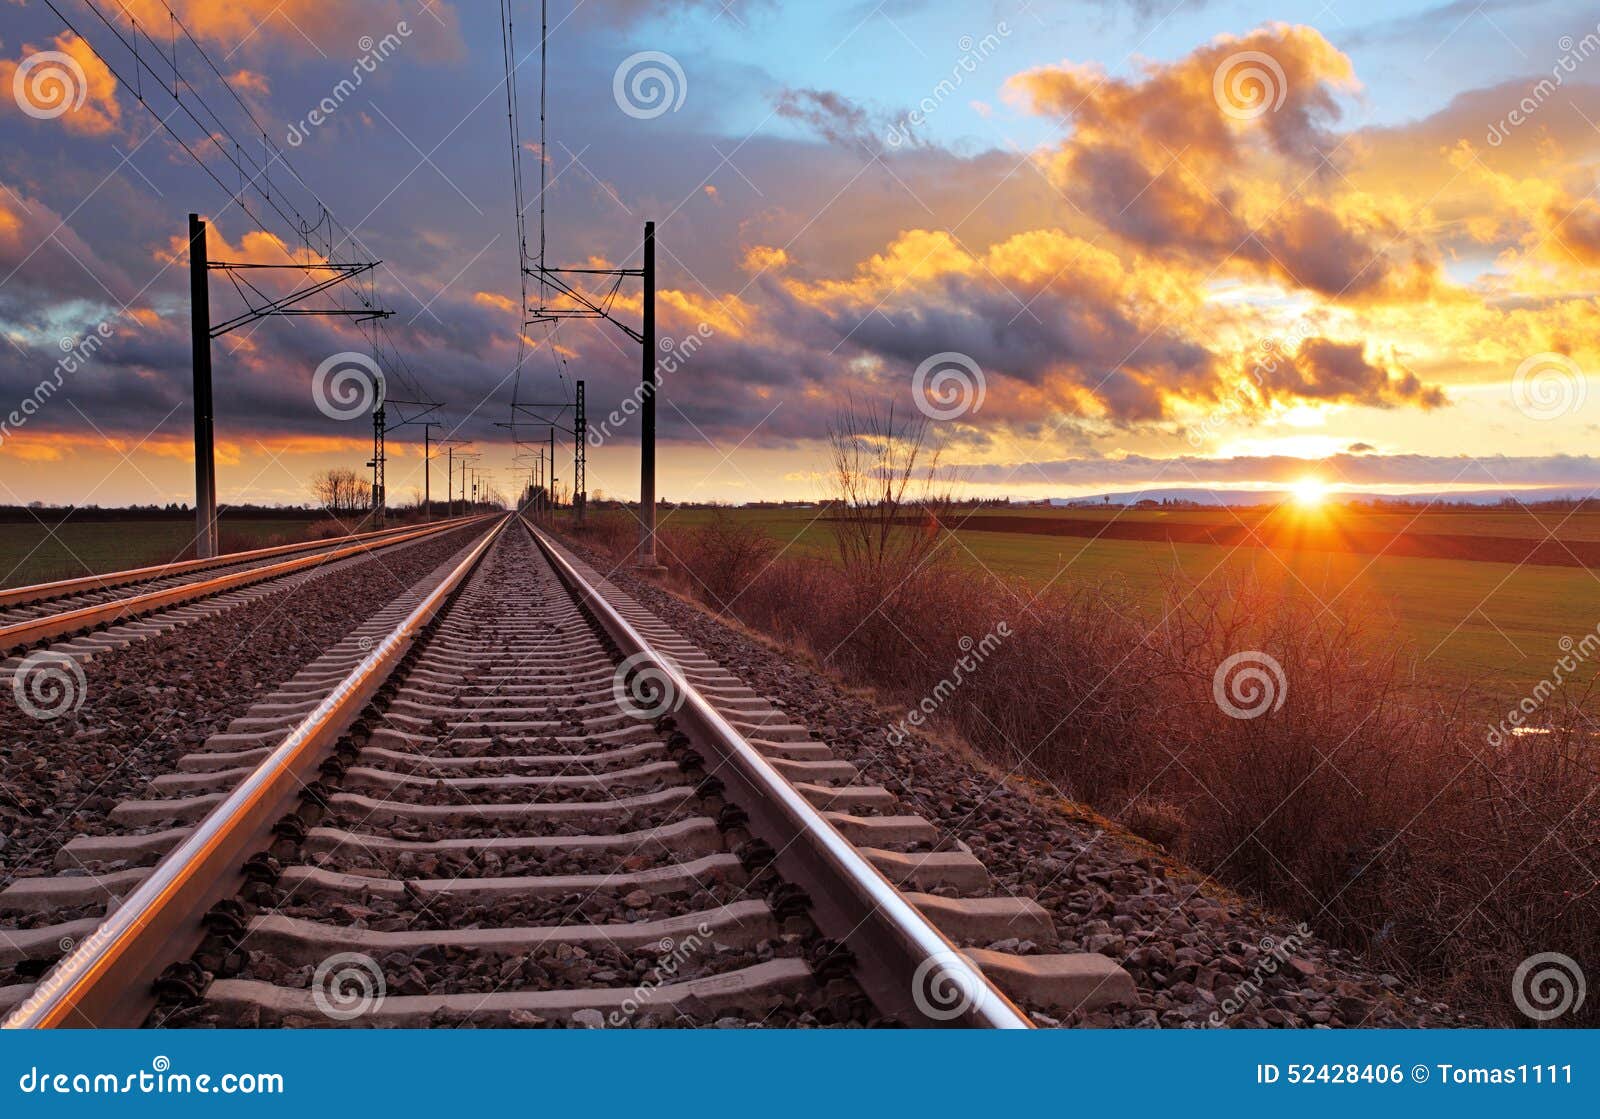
{"type": "Point", "coordinates": [725, 555]}
{"type": "Point", "coordinates": [340, 491]}
{"type": "Point", "coordinates": [614, 532]}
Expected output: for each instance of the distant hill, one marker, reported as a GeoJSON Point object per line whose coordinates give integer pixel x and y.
{"type": "Point", "coordinates": [1271, 496]}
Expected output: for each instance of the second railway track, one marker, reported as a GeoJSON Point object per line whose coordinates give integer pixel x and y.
{"type": "Point", "coordinates": [530, 803]}
{"type": "Point", "coordinates": [31, 616]}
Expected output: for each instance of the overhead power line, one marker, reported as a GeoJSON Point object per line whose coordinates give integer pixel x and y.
{"type": "Point", "coordinates": [241, 151]}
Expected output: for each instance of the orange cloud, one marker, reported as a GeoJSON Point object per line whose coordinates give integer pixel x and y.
{"type": "Point", "coordinates": [10, 224]}
{"type": "Point", "coordinates": [311, 25]}
{"type": "Point", "coordinates": [495, 300]}
{"type": "Point", "coordinates": [69, 83]}
{"type": "Point", "coordinates": [764, 258]}
{"type": "Point", "coordinates": [1227, 157]}
{"type": "Point", "coordinates": [257, 246]}
{"type": "Point", "coordinates": [251, 82]}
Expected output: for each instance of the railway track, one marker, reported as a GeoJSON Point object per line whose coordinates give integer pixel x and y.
{"type": "Point", "coordinates": [33, 615]}
{"type": "Point", "coordinates": [522, 800]}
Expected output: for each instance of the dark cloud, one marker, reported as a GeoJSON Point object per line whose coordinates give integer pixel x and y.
{"type": "Point", "coordinates": [834, 117]}
{"type": "Point", "coordinates": [1323, 369]}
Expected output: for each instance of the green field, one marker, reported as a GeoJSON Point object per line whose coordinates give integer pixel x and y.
{"type": "Point", "coordinates": [1497, 624]}
{"type": "Point", "coordinates": [34, 553]}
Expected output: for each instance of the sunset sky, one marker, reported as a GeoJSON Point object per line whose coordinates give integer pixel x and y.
{"type": "Point", "coordinates": [1184, 246]}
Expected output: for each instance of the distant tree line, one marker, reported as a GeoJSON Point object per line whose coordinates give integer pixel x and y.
{"type": "Point", "coordinates": [40, 513]}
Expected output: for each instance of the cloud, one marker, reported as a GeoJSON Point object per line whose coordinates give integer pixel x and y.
{"type": "Point", "coordinates": [830, 115]}
{"type": "Point", "coordinates": [318, 28]}
{"type": "Point", "coordinates": [251, 82]}
{"type": "Point", "coordinates": [78, 90]}
{"type": "Point", "coordinates": [1229, 156]}
{"type": "Point", "coordinates": [1326, 370]}
{"type": "Point", "coordinates": [45, 262]}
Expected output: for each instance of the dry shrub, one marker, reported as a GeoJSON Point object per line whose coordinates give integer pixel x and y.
{"type": "Point", "coordinates": [327, 529]}
{"type": "Point", "coordinates": [1160, 821]}
{"type": "Point", "coordinates": [612, 532]}
{"type": "Point", "coordinates": [725, 556]}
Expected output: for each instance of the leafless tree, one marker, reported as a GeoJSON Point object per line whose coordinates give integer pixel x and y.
{"type": "Point", "coordinates": [887, 517]}
{"type": "Point", "coordinates": [340, 491]}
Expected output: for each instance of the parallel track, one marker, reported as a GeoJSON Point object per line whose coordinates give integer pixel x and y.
{"type": "Point", "coordinates": [532, 803]}
{"type": "Point", "coordinates": [43, 612]}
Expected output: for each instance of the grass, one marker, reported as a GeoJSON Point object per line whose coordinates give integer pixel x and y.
{"type": "Point", "coordinates": [1494, 624]}
{"type": "Point", "coordinates": [33, 553]}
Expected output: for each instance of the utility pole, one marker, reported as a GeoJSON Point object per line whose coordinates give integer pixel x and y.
{"type": "Point", "coordinates": [379, 500]}
{"type": "Point", "coordinates": [573, 302]}
{"type": "Point", "coordinates": [647, 413]}
{"type": "Point", "coordinates": [550, 486]}
{"type": "Point", "coordinates": [204, 330]}
{"type": "Point", "coordinates": [205, 466]}
{"type": "Point", "coordinates": [580, 436]}
{"type": "Point", "coordinates": [427, 463]}
{"type": "Point", "coordinates": [450, 443]}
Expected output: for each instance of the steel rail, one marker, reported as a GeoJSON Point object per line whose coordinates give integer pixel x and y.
{"type": "Point", "coordinates": [85, 584]}
{"type": "Point", "coordinates": [20, 635]}
{"type": "Point", "coordinates": [105, 980]}
{"type": "Point", "coordinates": [852, 901]}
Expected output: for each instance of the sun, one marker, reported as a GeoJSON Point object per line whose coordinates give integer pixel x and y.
{"type": "Point", "coordinates": [1309, 493]}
